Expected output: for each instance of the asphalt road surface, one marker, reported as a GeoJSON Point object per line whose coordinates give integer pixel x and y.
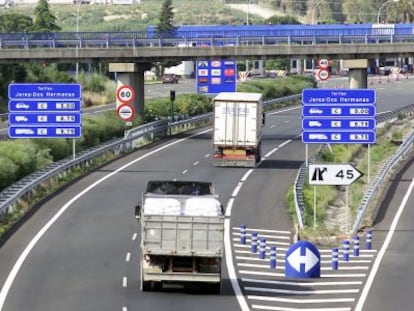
{"type": "Point", "coordinates": [79, 251]}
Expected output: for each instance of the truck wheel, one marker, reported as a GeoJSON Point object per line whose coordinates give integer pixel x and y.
{"type": "Point", "coordinates": [215, 288]}
{"type": "Point", "coordinates": [145, 286]}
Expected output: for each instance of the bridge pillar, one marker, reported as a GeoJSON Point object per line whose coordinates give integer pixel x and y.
{"type": "Point", "coordinates": [358, 75]}
{"type": "Point", "coordinates": [132, 74]}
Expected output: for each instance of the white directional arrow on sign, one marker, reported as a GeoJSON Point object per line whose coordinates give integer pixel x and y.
{"type": "Point", "coordinates": [309, 259]}
{"type": "Point", "coordinates": [333, 174]}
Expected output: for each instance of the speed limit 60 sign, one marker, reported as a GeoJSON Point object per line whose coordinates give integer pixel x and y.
{"type": "Point", "coordinates": [125, 94]}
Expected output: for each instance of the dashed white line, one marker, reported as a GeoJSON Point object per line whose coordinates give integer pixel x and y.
{"type": "Point", "coordinates": [272, 126]}
{"type": "Point", "coordinates": [134, 236]}
{"type": "Point", "coordinates": [207, 155]}
{"type": "Point", "coordinates": [184, 172]}
{"type": "Point", "coordinates": [124, 308]}
{"type": "Point", "coordinates": [196, 163]}
{"type": "Point", "coordinates": [124, 281]}
{"type": "Point", "coordinates": [128, 257]}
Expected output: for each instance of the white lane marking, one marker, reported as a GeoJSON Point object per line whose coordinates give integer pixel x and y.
{"type": "Point", "coordinates": [22, 257]}
{"type": "Point", "coordinates": [316, 283]}
{"type": "Point", "coordinates": [284, 143]}
{"type": "Point", "coordinates": [229, 207]}
{"type": "Point", "coordinates": [134, 236]}
{"type": "Point", "coordinates": [285, 110]}
{"type": "Point", "coordinates": [274, 237]}
{"type": "Point", "coordinates": [268, 242]}
{"type": "Point", "coordinates": [184, 172]}
{"type": "Point", "coordinates": [302, 292]}
{"type": "Point", "coordinates": [275, 274]}
{"type": "Point", "coordinates": [246, 175]}
{"type": "Point", "coordinates": [264, 230]}
{"type": "Point", "coordinates": [128, 257]}
{"type": "Point", "coordinates": [273, 126]}
{"type": "Point", "coordinates": [383, 249]}
{"type": "Point", "coordinates": [237, 189]}
{"type": "Point", "coordinates": [252, 265]}
{"type": "Point", "coordinates": [228, 251]}
{"type": "Point", "coordinates": [124, 308]}
{"type": "Point", "coordinates": [196, 163]}
{"type": "Point", "coordinates": [207, 155]}
{"type": "Point", "coordinates": [271, 152]}
{"type": "Point", "coordinates": [124, 281]}
{"type": "Point", "coordinates": [260, 307]}
{"type": "Point", "coordinates": [299, 301]}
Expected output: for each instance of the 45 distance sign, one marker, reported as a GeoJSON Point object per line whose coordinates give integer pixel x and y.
{"type": "Point", "coordinates": [125, 94]}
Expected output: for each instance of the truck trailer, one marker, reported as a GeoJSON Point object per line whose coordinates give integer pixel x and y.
{"type": "Point", "coordinates": [182, 234]}
{"type": "Point", "coordinates": [238, 121]}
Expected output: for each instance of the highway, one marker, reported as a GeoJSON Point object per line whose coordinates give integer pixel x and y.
{"type": "Point", "coordinates": [79, 251]}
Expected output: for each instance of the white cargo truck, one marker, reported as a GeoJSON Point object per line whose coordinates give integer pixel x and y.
{"type": "Point", "coordinates": [182, 234]}
{"type": "Point", "coordinates": [237, 134]}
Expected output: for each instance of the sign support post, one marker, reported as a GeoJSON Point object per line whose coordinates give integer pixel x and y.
{"type": "Point", "coordinates": [314, 207]}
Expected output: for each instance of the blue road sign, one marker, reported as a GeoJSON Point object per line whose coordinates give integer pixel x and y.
{"type": "Point", "coordinates": [31, 118]}
{"type": "Point", "coordinates": [45, 131]}
{"type": "Point", "coordinates": [303, 260]}
{"type": "Point", "coordinates": [45, 91]}
{"type": "Point", "coordinates": [338, 137]}
{"type": "Point", "coordinates": [44, 105]}
{"type": "Point", "coordinates": [338, 96]}
{"type": "Point", "coordinates": [318, 124]}
{"type": "Point", "coordinates": [339, 111]}
{"type": "Point", "coordinates": [215, 76]}
{"type": "Point", "coordinates": [45, 110]}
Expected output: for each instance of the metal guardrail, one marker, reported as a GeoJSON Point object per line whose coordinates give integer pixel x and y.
{"type": "Point", "coordinates": [371, 191]}
{"type": "Point", "coordinates": [132, 138]}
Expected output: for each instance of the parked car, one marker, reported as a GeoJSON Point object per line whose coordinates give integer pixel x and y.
{"type": "Point", "coordinates": [169, 78]}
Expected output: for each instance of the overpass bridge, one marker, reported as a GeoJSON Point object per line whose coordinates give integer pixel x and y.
{"type": "Point", "coordinates": [130, 53]}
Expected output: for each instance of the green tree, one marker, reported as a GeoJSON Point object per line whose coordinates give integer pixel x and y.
{"type": "Point", "coordinates": [44, 20]}
{"type": "Point", "coordinates": [13, 22]}
{"type": "Point", "coordinates": [282, 20]}
{"type": "Point", "coordinates": [360, 11]}
{"type": "Point", "coordinates": [165, 29]}
{"type": "Point", "coordinates": [400, 12]}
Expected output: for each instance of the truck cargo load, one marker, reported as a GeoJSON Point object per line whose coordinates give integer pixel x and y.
{"type": "Point", "coordinates": [182, 234]}
{"type": "Point", "coordinates": [238, 120]}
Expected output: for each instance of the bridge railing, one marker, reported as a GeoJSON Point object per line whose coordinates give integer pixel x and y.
{"type": "Point", "coordinates": [133, 138]}
{"type": "Point", "coordinates": [104, 40]}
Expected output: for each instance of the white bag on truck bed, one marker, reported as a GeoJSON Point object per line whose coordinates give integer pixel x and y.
{"type": "Point", "coordinates": [202, 207]}
{"type": "Point", "coordinates": [162, 206]}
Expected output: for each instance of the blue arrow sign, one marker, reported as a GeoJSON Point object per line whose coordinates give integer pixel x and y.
{"type": "Point", "coordinates": [338, 124]}
{"type": "Point", "coordinates": [338, 137]}
{"type": "Point", "coordinates": [45, 131]}
{"type": "Point", "coordinates": [44, 105]}
{"type": "Point", "coordinates": [303, 260]}
{"type": "Point", "coordinates": [339, 111]}
{"type": "Point", "coordinates": [338, 96]}
{"type": "Point", "coordinates": [45, 91]}
{"type": "Point", "coordinates": [45, 118]}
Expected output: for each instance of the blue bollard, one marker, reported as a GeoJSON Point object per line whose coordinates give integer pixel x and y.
{"type": "Point", "coordinates": [273, 257]}
{"type": "Point", "coordinates": [243, 234]}
{"type": "Point", "coordinates": [368, 239]}
{"type": "Point", "coordinates": [262, 252]}
{"type": "Point", "coordinates": [335, 253]}
{"type": "Point", "coordinates": [356, 246]}
{"type": "Point", "coordinates": [345, 250]}
{"type": "Point", "coordinates": [253, 247]}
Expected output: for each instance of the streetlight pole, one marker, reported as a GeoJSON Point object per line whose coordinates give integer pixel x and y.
{"type": "Point", "coordinates": [248, 23]}
{"type": "Point", "coordinates": [380, 8]}
{"type": "Point", "coordinates": [77, 35]}
{"type": "Point", "coordinates": [314, 10]}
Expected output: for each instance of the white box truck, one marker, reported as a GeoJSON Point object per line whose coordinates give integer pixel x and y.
{"type": "Point", "coordinates": [182, 234]}
{"type": "Point", "coordinates": [237, 134]}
